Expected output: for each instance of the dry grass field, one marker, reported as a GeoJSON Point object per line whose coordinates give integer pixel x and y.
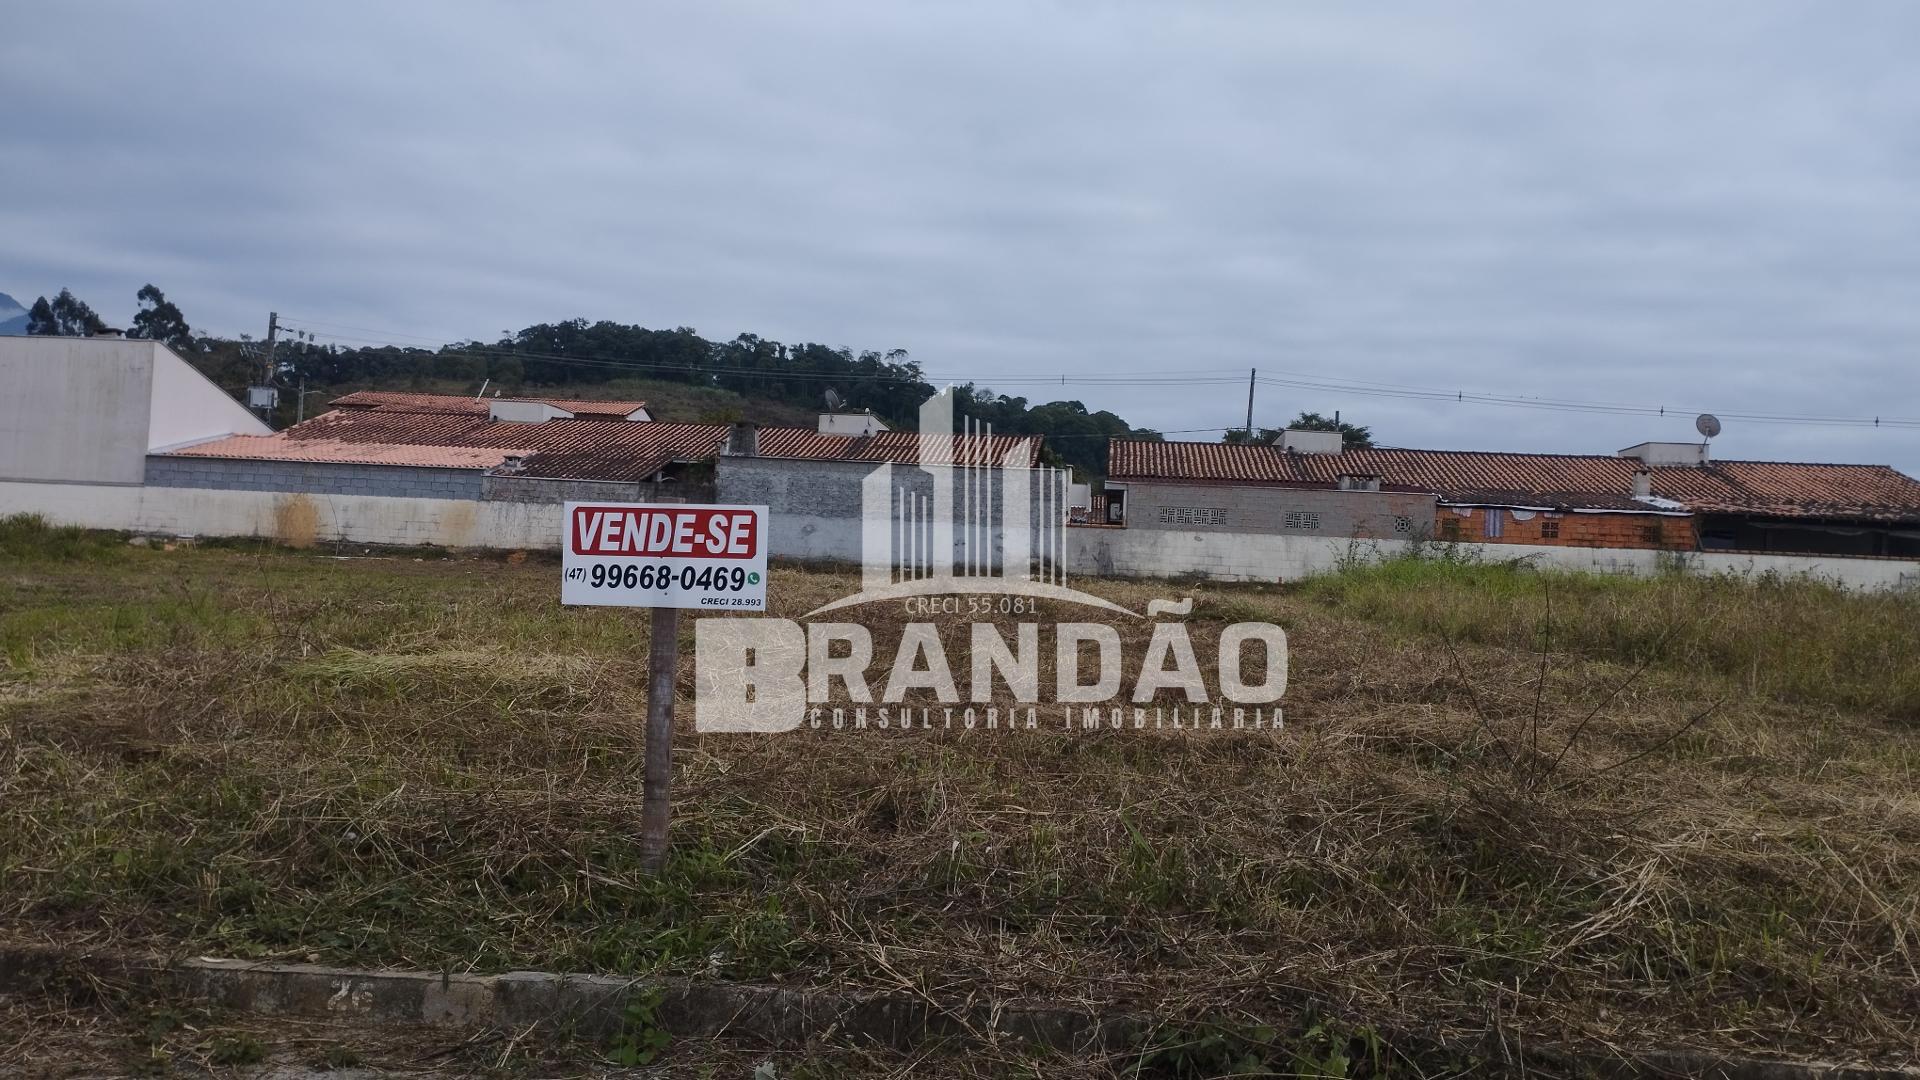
{"type": "Point", "coordinates": [1508, 807]}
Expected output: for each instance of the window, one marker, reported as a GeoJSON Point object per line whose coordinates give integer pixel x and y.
{"type": "Point", "coordinates": [1496, 520]}
{"type": "Point", "coordinates": [1402, 523]}
{"type": "Point", "coordinates": [1650, 534]}
{"type": "Point", "coordinates": [1300, 519]}
{"type": "Point", "coordinates": [1193, 515]}
{"type": "Point", "coordinates": [1450, 528]}
{"type": "Point", "coordinates": [1550, 529]}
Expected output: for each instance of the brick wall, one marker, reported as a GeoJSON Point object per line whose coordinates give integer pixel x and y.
{"type": "Point", "coordinates": [312, 478]}
{"type": "Point", "coordinates": [1655, 531]}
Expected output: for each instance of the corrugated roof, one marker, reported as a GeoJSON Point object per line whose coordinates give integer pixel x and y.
{"type": "Point", "coordinates": [1563, 481]}
{"type": "Point", "coordinates": [455, 403]}
{"type": "Point", "coordinates": [274, 448]}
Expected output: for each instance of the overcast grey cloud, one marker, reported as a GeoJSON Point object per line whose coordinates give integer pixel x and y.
{"type": "Point", "coordinates": [1708, 205]}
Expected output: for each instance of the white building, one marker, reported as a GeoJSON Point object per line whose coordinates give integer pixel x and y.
{"type": "Point", "coordinates": [90, 410]}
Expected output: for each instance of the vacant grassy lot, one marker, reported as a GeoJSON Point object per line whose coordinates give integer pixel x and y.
{"type": "Point", "coordinates": [1508, 806]}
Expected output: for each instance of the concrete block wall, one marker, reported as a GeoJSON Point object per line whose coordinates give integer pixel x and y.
{"type": "Point", "coordinates": [1248, 508]}
{"type": "Point", "coordinates": [536, 489]}
{"type": "Point", "coordinates": [815, 506]}
{"type": "Point", "coordinates": [312, 478]}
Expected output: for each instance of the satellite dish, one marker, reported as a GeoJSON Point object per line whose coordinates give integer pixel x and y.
{"type": "Point", "coordinates": [834, 400]}
{"type": "Point", "coordinates": [1707, 424]}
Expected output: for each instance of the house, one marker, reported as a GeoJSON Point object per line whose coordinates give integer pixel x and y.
{"type": "Point", "coordinates": [1648, 497]}
{"type": "Point", "coordinates": [1223, 487]}
{"type": "Point", "coordinates": [817, 483]}
{"type": "Point", "coordinates": [450, 447]}
{"type": "Point", "coordinates": [451, 454]}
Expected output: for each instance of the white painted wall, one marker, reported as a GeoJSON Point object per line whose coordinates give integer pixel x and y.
{"type": "Point", "coordinates": [186, 408]}
{"type": "Point", "coordinates": [1272, 557]}
{"type": "Point", "coordinates": [89, 409]}
{"type": "Point", "coordinates": [858, 424]}
{"type": "Point", "coordinates": [1091, 552]}
{"type": "Point", "coordinates": [290, 518]}
{"type": "Point", "coordinates": [74, 409]}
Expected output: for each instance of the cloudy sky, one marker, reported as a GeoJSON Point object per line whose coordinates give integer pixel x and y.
{"type": "Point", "coordinates": [1689, 206]}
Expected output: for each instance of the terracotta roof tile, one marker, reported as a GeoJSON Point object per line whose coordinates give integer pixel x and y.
{"type": "Point", "coordinates": [274, 448]}
{"type": "Point", "coordinates": [899, 447]}
{"type": "Point", "coordinates": [596, 450]}
{"type": "Point", "coordinates": [1560, 481]}
{"type": "Point", "coordinates": [573, 449]}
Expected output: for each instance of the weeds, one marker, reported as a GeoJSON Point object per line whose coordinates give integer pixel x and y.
{"type": "Point", "coordinates": [1796, 639]}
{"type": "Point", "coordinates": [640, 1038]}
{"type": "Point", "coordinates": [430, 764]}
{"type": "Point", "coordinates": [25, 537]}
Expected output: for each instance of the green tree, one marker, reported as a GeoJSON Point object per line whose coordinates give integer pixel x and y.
{"type": "Point", "coordinates": [1353, 436]}
{"type": "Point", "coordinates": [1075, 437]}
{"type": "Point", "coordinates": [40, 321]}
{"type": "Point", "coordinates": [160, 320]}
{"type": "Point", "coordinates": [66, 316]}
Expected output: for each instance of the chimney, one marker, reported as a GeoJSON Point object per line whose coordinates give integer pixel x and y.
{"type": "Point", "coordinates": [1359, 482]}
{"type": "Point", "coordinates": [1642, 484]}
{"type": "Point", "coordinates": [743, 440]}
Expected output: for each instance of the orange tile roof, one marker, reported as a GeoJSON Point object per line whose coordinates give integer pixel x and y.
{"type": "Point", "coordinates": [455, 403]}
{"type": "Point", "coordinates": [275, 448]}
{"type": "Point", "coordinates": [1558, 481]}
{"type": "Point", "coordinates": [899, 447]}
{"type": "Point", "coordinates": [397, 433]}
{"type": "Point", "coordinates": [557, 449]}
{"type": "Point", "coordinates": [597, 450]}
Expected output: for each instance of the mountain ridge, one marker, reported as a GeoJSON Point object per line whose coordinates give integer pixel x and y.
{"type": "Point", "coordinates": [13, 315]}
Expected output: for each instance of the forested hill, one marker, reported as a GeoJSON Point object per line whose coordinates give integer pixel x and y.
{"type": "Point", "coordinates": [686, 376]}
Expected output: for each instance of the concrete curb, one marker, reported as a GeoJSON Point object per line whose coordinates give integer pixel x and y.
{"type": "Point", "coordinates": [595, 1005]}
{"type": "Point", "coordinates": [589, 1004]}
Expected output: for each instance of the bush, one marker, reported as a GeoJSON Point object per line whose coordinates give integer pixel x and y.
{"type": "Point", "coordinates": [30, 536]}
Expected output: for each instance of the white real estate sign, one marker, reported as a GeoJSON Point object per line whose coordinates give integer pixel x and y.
{"type": "Point", "coordinates": [676, 555]}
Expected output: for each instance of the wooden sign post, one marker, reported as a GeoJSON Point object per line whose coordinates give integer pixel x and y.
{"type": "Point", "coordinates": [656, 796]}
{"type": "Point", "coordinates": [665, 556]}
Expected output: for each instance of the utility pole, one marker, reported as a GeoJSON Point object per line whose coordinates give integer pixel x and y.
{"type": "Point", "coordinates": [273, 331]}
{"type": "Point", "coordinates": [300, 413]}
{"type": "Point", "coordinates": [1251, 372]}
{"type": "Point", "coordinates": [264, 397]}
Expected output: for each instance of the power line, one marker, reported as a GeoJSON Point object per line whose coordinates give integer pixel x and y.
{"type": "Point", "coordinates": [1195, 377]}
{"type": "Point", "coordinates": [1598, 407]}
